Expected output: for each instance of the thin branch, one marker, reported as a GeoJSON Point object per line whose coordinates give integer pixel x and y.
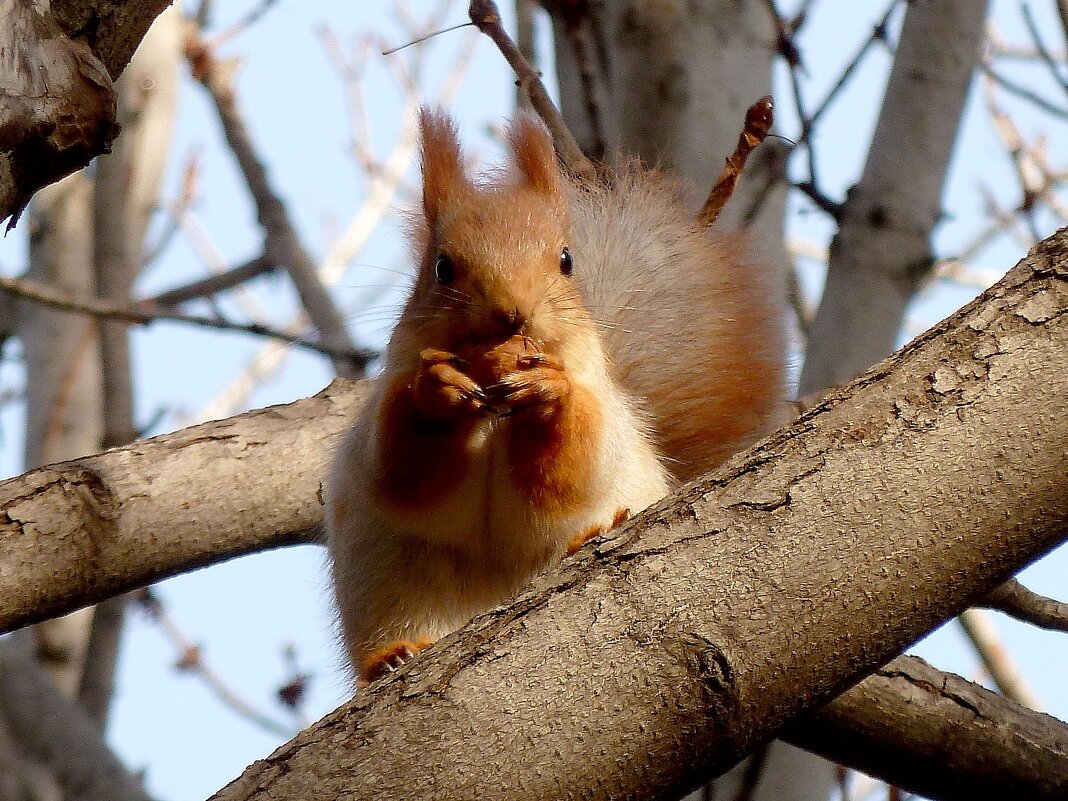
{"type": "Point", "coordinates": [878, 34]}
{"type": "Point", "coordinates": [758, 121]}
{"type": "Point", "coordinates": [281, 244]}
{"type": "Point", "coordinates": [145, 312]}
{"type": "Point", "coordinates": [178, 209]}
{"type": "Point", "coordinates": [754, 770]}
{"type": "Point", "coordinates": [820, 200]}
{"type": "Point", "coordinates": [996, 660]}
{"type": "Point", "coordinates": [191, 660]}
{"type": "Point", "coordinates": [487, 19]}
{"type": "Point", "coordinates": [1023, 92]}
{"type": "Point", "coordinates": [214, 284]}
{"type": "Point", "coordinates": [1047, 56]}
{"type": "Point", "coordinates": [251, 18]}
{"type": "Point", "coordinates": [1015, 600]}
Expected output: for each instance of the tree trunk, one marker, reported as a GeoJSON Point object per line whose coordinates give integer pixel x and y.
{"type": "Point", "coordinates": [883, 247]}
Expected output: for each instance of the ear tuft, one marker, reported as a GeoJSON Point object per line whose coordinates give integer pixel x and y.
{"type": "Point", "coordinates": [532, 148]}
{"type": "Point", "coordinates": [442, 162]}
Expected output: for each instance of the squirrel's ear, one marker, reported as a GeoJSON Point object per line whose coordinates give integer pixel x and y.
{"type": "Point", "coordinates": [535, 158]}
{"type": "Point", "coordinates": [442, 162]}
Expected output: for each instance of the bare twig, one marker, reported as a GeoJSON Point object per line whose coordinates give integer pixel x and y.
{"type": "Point", "coordinates": [251, 18]}
{"type": "Point", "coordinates": [1015, 600]}
{"type": "Point", "coordinates": [1022, 91]}
{"type": "Point", "coordinates": [754, 769]}
{"type": "Point", "coordinates": [758, 120]}
{"type": "Point", "coordinates": [282, 245]}
{"type": "Point", "coordinates": [820, 200]}
{"type": "Point", "coordinates": [1043, 51]}
{"type": "Point", "coordinates": [983, 635]}
{"type": "Point", "coordinates": [145, 312]}
{"type": "Point", "coordinates": [178, 208]}
{"type": "Point", "coordinates": [215, 283]}
{"type": "Point", "coordinates": [878, 34]}
{"type": "Point", "coordinates": [191, 660]}
{"type": "Point", "coordinates": [487, 19]}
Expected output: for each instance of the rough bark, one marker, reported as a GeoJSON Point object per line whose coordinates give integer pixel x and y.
{"type": "Point", "coordinates": [656, 659]}
{"type": "Point", "coordinates": [76, 533]}
{"type": "Point", "coordinates": [940, 736]}
{"type": "Point", "coordinates": [57, 63]}
{"type": "Point", "coordinates": [883, 247]}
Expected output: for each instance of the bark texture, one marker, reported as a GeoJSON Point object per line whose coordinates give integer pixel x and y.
{"type": "Point", "coordinates": [57, 102]}
{"type": "Point", "coordinates": [657, 659]}
{"type": "Point", "coordinates": [78, 532]}
{"type": "Point", "coordinates": [883, 247]}
{"type": "Point", "coordinates": [940, 736]}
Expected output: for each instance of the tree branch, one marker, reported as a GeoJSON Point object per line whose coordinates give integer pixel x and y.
{"type": "Point", "coordinates": [995, 658]}
{"type": "Point", "coordinates": [882, 249]}
{"type": "Point", "coordinates": [940, 736]}
{"type": "Point", "coordinates": [57, 103]}
{"type": "Point", "coordinates": [281, 245]}
{"type": "Point", "coordinates": [1015, 600]}
{"type": "Point", "coordinates": [125, 515]}
{"type": "Point", "coordinates": [214, 284]}
{"type": "Point", "coordinates": [145, 311]}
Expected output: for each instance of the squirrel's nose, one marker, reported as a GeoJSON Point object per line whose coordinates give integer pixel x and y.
{"type": "Point", "coordinates": [511, 320]}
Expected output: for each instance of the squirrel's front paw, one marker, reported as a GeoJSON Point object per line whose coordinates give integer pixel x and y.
{"type": "Point", "coordinates": [539, 383]}
{"type": "Point", "coordinates": [389, 658]}
{"type": "Point", "coordinates": [441, 390]}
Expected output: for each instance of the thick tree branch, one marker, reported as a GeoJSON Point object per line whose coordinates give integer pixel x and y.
{"type": "Point", "coordinates": [658, 658]}
{"type": "Point", "coordinates": [76, 533]}
{"type": "Point", "coordinates": [57, 102]}
{"type": "Point", "coordinates": [940, 736]}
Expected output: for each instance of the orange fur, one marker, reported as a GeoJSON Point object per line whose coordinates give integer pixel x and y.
{"type": "Point", "coordinates": [550, 455]}
{"type": "Point", "coordinates": [385, 660]}
{"type": "Point", "coordinates": [524, 407]}
{"type": "Point", "coordinates": [587, 534]}
{"type": "Point", "coordinates": [420, 459]}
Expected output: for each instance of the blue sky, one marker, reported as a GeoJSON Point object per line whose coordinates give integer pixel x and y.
{"type": "Point", "coordinates": [244, 612]}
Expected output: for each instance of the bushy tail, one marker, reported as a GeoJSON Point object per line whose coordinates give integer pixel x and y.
{"type": "Point", "coordinates": [693, 326]}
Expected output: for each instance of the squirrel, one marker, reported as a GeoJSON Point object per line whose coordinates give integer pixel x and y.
{"type": "Point", "coordinates": [570, 352]}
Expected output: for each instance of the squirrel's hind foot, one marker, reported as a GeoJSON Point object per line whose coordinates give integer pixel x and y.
{"type": "Point", "coordinates": [389, 658]}
{"type": "Point", "coordinates": [588, 534]}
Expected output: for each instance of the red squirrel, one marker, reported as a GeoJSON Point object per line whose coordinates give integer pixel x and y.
{"type": "Point", "coordinates": [569, 353]}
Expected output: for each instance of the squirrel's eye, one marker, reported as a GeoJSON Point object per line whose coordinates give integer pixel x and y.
{"type": "Point", "coordinates": [567, 264]}
{"type": "Point", "coordinates": [444, 270]}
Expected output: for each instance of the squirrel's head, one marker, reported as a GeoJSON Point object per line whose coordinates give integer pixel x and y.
{"type": "Point", "coordinates": [493, 255]}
